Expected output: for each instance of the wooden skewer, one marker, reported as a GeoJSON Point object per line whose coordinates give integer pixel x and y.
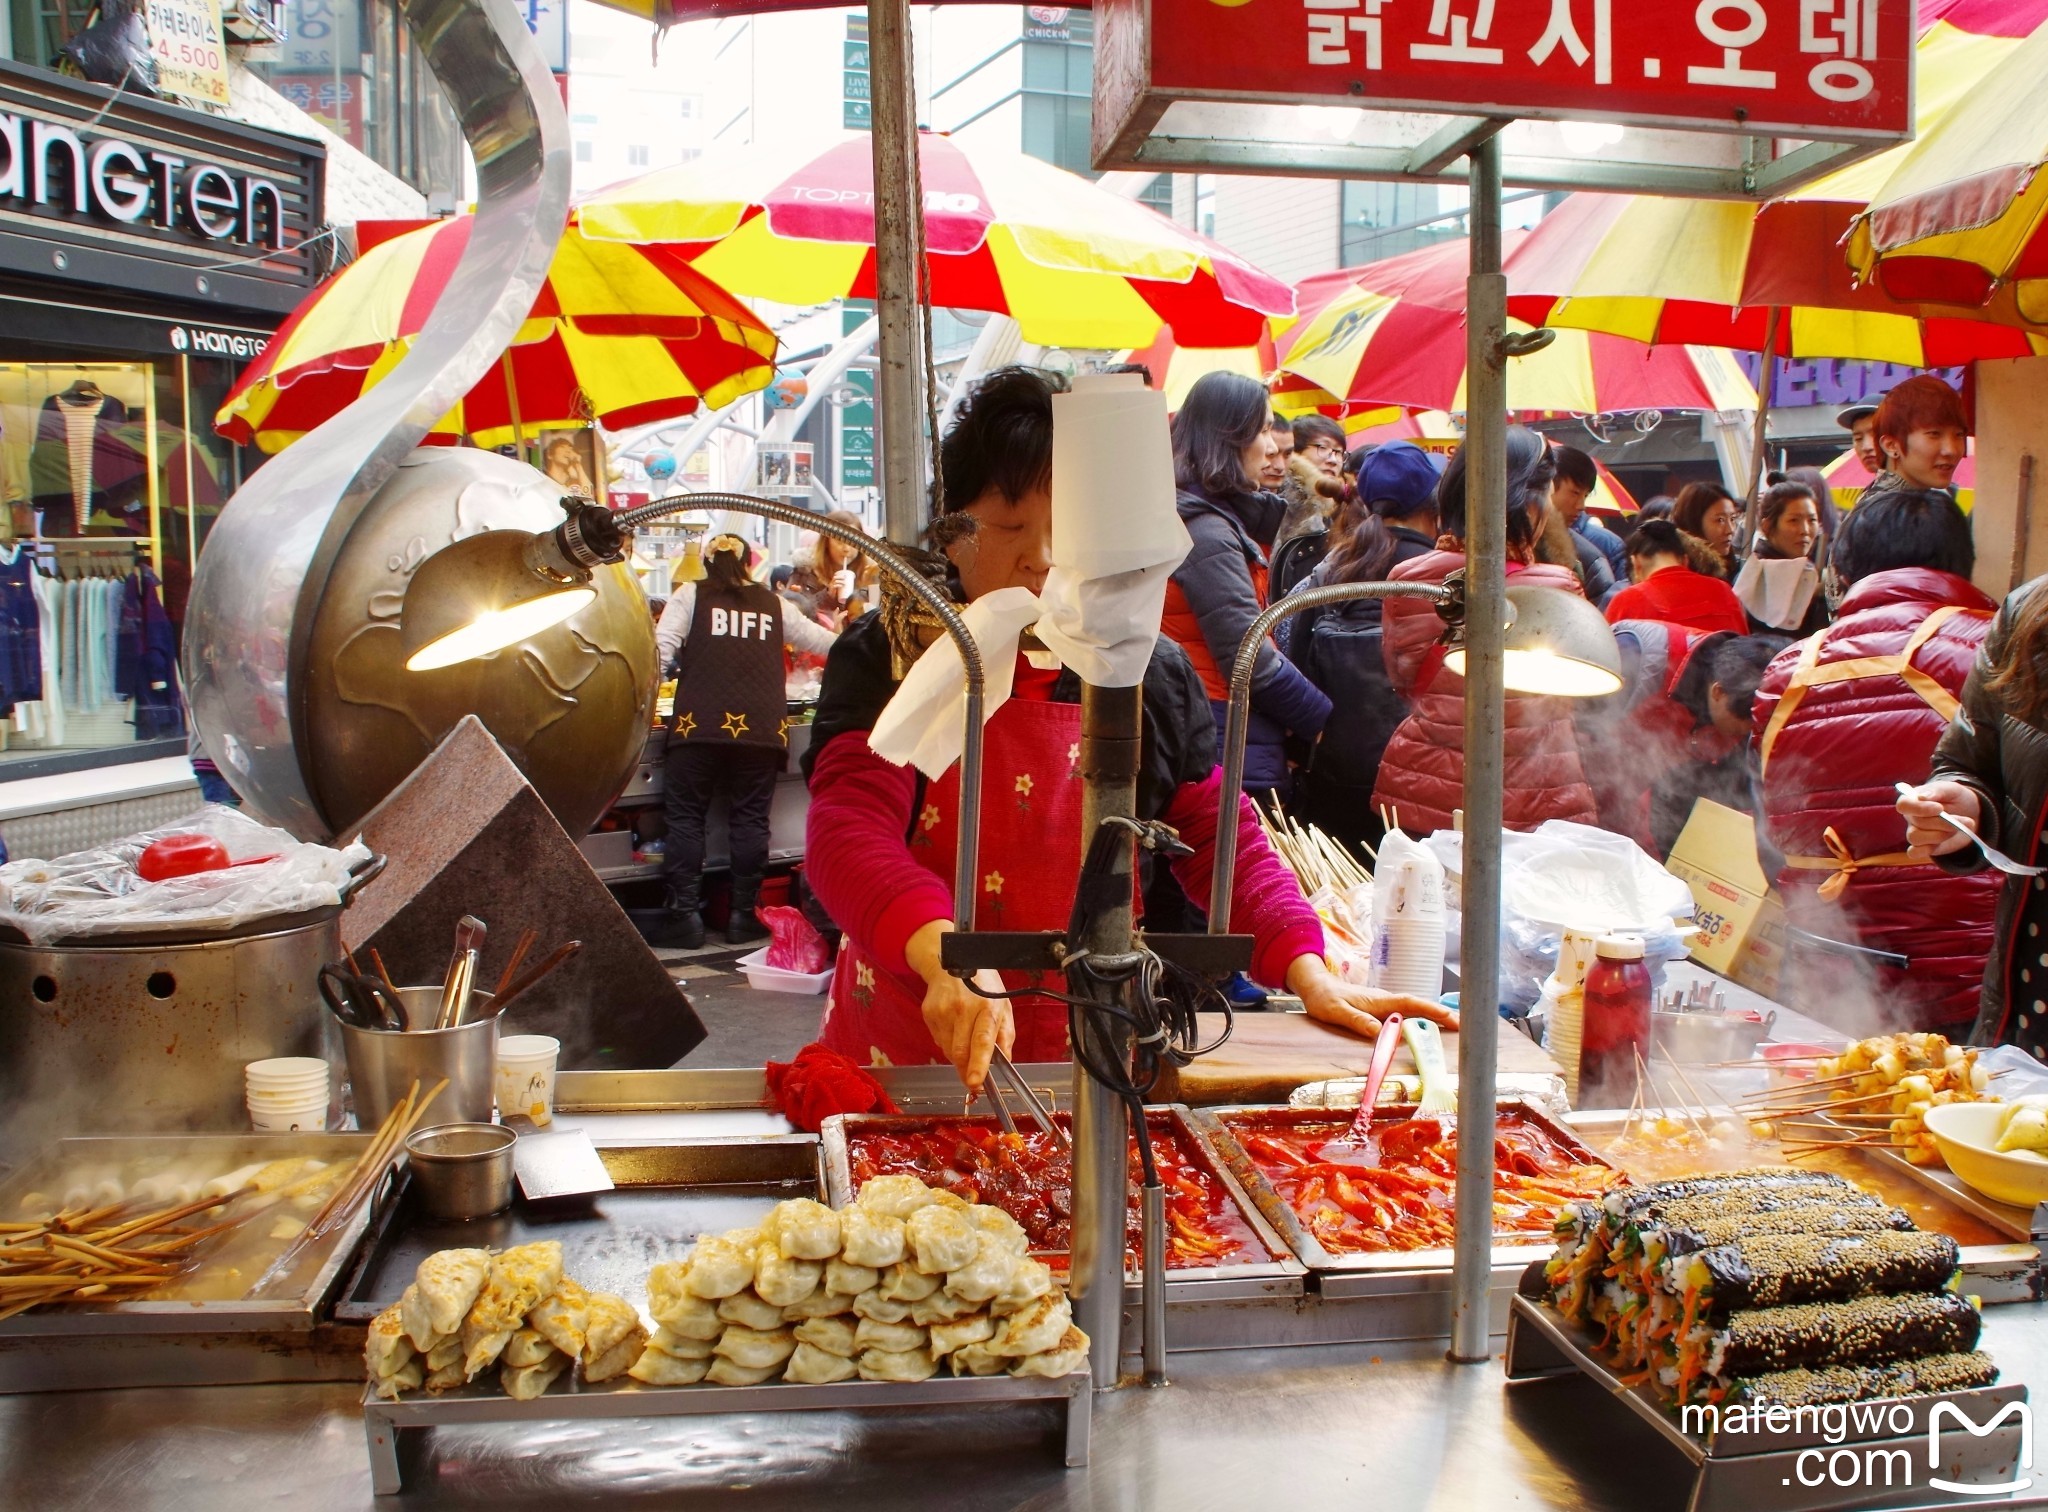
{"type": "Point", "coordinates": [151, 1222]}
{"type": "Point", "coordinates": [101, 1256]}
{"type": "Point", "coordinates": [384, 976]}
{"type": "Point", "coordinates": [1800, 1089]}
{"type": "Point", "coordinates": [528, 938]}
{"type": "Point", "coordinates": [560, 954]}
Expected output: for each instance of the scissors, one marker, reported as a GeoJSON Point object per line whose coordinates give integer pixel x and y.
{"type": "Point", "coordinates": [356, 1001]}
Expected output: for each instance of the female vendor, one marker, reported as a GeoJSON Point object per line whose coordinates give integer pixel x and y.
{"type": "Point", "coordinates": [881, 839]}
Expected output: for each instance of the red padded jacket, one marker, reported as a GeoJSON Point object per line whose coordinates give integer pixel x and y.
{"type": "Point", "coordinates": [1422, 775]}
{"type": "Point", "coordinates": [1840, 719]}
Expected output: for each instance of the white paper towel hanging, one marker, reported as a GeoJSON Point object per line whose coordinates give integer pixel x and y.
{"type": "Point", "coordinates": [1116, 537]}
{"type": "Point", "coordinates": [925, 723]}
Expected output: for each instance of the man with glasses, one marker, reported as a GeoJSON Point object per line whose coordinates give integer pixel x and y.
{"type": "Point", "coordinates": [1315, 482]}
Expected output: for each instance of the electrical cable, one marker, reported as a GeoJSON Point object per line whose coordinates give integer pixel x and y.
{"type": "Point", "coordinates": [1157, 1002]}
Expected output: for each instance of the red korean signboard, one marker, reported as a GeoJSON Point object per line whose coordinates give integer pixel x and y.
{"type": "Point", "coordinates": [1833, 69]}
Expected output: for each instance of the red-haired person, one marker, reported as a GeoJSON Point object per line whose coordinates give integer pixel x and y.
{"type": "Point", "coordinates": [1921, 430]}
{"type": "Point", "coordinates": [1841, 719]}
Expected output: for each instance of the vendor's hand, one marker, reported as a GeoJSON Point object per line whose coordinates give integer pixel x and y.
{"type": "Point", "coordinates": [1357, 1010]}
{"type": "Point", "coordinates": [1929, 835]}
{"type": "Point", "coordinates": [966, 1026]}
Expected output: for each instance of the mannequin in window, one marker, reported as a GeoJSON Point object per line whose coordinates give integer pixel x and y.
{"type": "Point", "coordinates": [77, 460]}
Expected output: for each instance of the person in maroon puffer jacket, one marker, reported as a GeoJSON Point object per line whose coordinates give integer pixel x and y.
{"type": "Point", "coordinates": [1844, 716]}
{"type": "Point", "coordinates": [1422, 774]}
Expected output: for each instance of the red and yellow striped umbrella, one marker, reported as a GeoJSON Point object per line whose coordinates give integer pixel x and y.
{"type": "Point", "coordinates": [1725, 273]}
{"type": "Point", "coordinates": [620, 335]}
{"type": "Point", "coordinates": [1964, 215]}
{"type": "Point", "coordinates": [1393, 333]}
{"type": "Point", "coordinates": [1174, 368]}
{"type": "Point", "coordinates": [1072, 263]}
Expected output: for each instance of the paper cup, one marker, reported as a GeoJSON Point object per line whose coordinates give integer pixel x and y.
{"type": "Point", "coordinates": [305, 1118]}
{"type": "Point", "coordinates": [289, 1073]}
{"type": "Point", "coordinates": [525, 1079]}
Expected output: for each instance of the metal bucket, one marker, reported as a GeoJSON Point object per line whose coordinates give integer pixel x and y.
{"type": "Point", "coordinates": [383, 1064]}
{"type": "Point", "coordinates": [152, 1038]}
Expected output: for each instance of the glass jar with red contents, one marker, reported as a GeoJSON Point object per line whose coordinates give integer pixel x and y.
{"type": "Point", "coordinates": [1617, 1024]}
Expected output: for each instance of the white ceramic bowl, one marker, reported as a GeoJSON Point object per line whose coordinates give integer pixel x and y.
{"type": "Point", "coordinates": [1967, 1136]}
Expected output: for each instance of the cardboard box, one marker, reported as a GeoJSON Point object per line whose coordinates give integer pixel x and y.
{"type": "Point", "coordinates": [1739, 915]}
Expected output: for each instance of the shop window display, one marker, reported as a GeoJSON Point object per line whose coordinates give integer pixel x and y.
{"type": "Point", "coordinates": [105, 496]}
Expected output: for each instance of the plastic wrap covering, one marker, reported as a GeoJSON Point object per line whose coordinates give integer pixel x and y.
{"type": "Point", "coordinates": [1565, 875]}
{"type": "Point", "coordinates": [95, 894]}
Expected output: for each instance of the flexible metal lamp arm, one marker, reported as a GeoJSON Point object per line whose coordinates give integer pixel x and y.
{"type": "Point", "coordinates": [594, 535]}
{"type": "Point", "coordinates": [1449, 598]}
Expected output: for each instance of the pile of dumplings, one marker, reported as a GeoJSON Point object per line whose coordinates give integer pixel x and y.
{"type": "Point", "coordinates": [468, 1311]}
{"type": "Point", "coordinates": [906, 1279]}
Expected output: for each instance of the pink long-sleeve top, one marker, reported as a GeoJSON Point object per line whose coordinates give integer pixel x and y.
{"type": "Point", "coordinates": [858, 859]}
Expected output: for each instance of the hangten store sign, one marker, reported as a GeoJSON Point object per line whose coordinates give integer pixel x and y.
{"type": "Point", "coordinates": [49, 165]}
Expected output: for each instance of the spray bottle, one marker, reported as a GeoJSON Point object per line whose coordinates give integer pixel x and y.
{"type": "Point", "coordinates": [1564, 1003]}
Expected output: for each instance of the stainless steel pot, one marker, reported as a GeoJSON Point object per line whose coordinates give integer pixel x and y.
{"type": "Point", "coordinates": [147, 1035]}
{"type": "Point", "coordinates": [1704, 1038]}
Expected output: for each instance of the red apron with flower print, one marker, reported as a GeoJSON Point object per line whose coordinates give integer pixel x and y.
{"type": "Point", "coordinates": [1030, 855]}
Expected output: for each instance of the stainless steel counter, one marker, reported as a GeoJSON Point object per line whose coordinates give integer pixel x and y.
{"type": "Point", "coordinates": [1331, 1426]}
{"type": "Point", "coordinates": [1335, 1427]}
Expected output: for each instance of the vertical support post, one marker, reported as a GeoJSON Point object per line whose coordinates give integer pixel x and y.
{"type": "Point", "coordinates": [899, 292]}
{"type": "Point", "coordinates": [1485, 659]}
{"type": "Point", "coordinates": [1766, 380]}
{"type": "Point", "coordinates": [1111, 720]}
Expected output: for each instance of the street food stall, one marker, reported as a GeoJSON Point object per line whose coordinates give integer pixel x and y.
{"type": "Point", "coordinates": [516, 1279]}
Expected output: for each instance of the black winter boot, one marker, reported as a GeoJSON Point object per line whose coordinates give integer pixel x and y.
{"type": "Point", "coordinates": [684, 929]}
{"type": "Point", "coordinates": [743, 928]}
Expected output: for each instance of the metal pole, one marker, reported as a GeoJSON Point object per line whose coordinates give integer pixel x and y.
{"type": "Point", "coordinates": [1486, 467]}
{"type": "Point", "coordinates": [1111, 720]}
{"type": "Point", "coordinates": [1760, 441]}
{"type": "Point", "coordinates": [899, 218]}
{"type": "Point", "coordinates": [1223, 875]}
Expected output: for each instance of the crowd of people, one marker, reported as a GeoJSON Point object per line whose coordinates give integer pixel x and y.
{"type": "Point", "coordinates": [1796, 663]}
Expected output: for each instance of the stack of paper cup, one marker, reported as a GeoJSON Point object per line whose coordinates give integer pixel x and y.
{"type": "Point", "coordinates": [289, 1093]}
{"type": "Point", "coordinates": [526, 1076]}
{"type": "Point", "coordinates": [1408, 944]}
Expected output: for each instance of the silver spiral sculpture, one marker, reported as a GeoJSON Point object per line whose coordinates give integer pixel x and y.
{"type": "Point", "coordinates": [267, 562]}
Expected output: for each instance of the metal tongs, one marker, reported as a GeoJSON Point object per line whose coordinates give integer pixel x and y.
{"type": "Point", "coordinates": [1002, 1066]}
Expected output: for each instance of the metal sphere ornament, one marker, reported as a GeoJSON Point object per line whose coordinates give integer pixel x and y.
{"type": "Point", "coordinates": [571, 705]}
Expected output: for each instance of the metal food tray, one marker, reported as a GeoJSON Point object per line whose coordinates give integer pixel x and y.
{"type": "Point", "coordinates": [384, 1420]}
{"type": "Point", "coordinates": [1280, 1275]}
{"type": "Point", "coordinates": [2016, 1271]}
{"type": "Point", "coordinates": [665, 1195]}
{"type": "Point", "coordinates": [1766, 1471]}
{"type": "Point", "coordinates": [1379, 1273]}
{"type": "Point", "coordinates": [288, 1304]}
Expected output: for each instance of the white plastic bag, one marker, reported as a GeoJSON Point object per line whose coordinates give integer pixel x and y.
{"type": "Point", "coordinates": [96, 893]}
{"type": "Point", "coordinates": [1565, 875]}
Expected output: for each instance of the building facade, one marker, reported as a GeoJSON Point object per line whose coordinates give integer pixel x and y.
{"type": "Point", "coordinates": [154, 232]}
